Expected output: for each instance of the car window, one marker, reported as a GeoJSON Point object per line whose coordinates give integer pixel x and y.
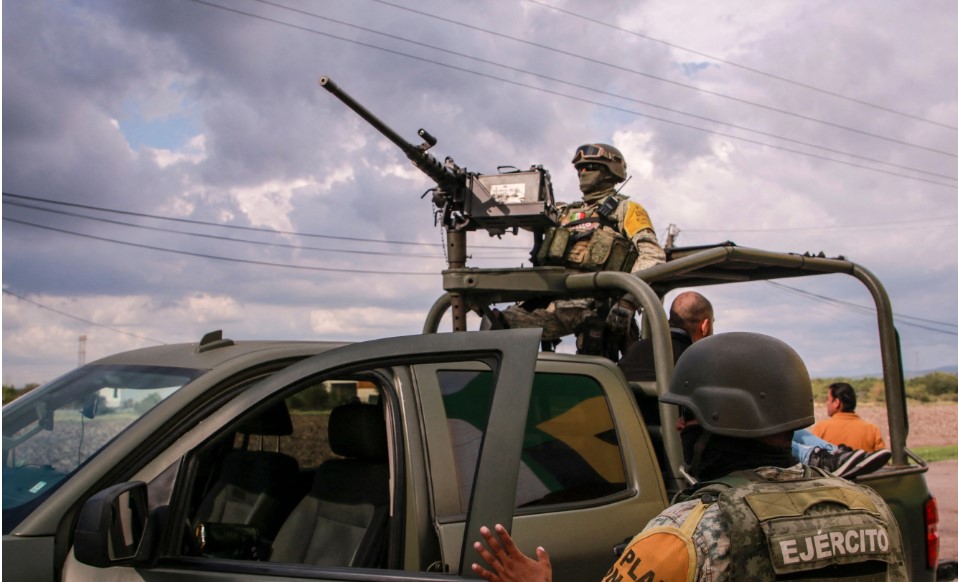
{"type": "Point", "coordinates": [570, 449]}
{"type": "Point", "coordinates": [304, 480]}
{"type": "Point", "coordinates": [50, 433]}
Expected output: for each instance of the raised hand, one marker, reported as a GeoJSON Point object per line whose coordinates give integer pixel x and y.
{"type": "Point", "coordinates": [506, 563]}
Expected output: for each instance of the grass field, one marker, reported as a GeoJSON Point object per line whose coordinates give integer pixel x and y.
{"type": "Point", "coordinates": [940, 453]}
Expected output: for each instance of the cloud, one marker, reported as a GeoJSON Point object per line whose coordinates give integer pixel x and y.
{"type": "Point", "coordinates": [193, 153]}
{"type": "Point", "coordinates": [214, 120]}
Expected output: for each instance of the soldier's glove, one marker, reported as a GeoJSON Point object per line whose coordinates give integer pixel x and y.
{"type": "Point", "coordinates": [620, 317]}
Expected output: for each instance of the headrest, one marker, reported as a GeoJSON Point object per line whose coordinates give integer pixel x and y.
{"type": "Point", "coordinates": [274, 421]}
{"type": "Point", "coordinates": [359, 431]}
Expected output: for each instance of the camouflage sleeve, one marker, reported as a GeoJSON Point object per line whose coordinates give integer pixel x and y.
{"type": "Point", "coordinates": [711, 538]}
{"type": "Point", "coordinates": [650, 252]}
{"type": "Point", "coordinates": [637, 226]}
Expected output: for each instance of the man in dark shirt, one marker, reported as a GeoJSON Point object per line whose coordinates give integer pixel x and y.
{"type": "Point", "coordinates": [690, 319]}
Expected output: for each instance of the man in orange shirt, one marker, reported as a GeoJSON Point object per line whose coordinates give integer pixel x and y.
{"type": "Point", "coordinates": [844, 427]}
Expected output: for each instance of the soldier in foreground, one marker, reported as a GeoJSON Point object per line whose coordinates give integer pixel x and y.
{"type": "Point", "coordinates": [604, 231]}
{"type": "Point", "coordinates": [754, 515]}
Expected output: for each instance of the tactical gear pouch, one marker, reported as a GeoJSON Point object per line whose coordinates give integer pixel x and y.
{"type": "Point", "coordinates": [799, 544]}
{"type": "Point", "coordinates": [807, 527]}
{"type": "Point", "coordinates": [622, 256]}
{"type": "Point", "coordinates": [554, 245]}
{"type": "Point", "coordinates": [600, 247]}
{"type": "Point", "coordinates": [608, 251]}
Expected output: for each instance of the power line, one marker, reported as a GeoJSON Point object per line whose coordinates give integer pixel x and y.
{"type": "Point", "coordinates": [586, 87]}
{"type": "Point", "coordinates": [236, 226]}
{"type": "Point", "coordinates": [87, 321]}
{"type": "Point", "coordinates": [215, 257]}
{"type": "Point", "coordinates": [634, 72]}
{"type": "Point", "coordinates": [235, 240]}
{"type": "Point", "coordinates": [918, 223]}
{"type": "Point", "coordinates": [602, 92]}
{"type": "Point", "coordinates": [745, 67]}
{"type": "Point", "coordinates": [899, 317]}
{"type": "Point", "coordinates": [579, 99]}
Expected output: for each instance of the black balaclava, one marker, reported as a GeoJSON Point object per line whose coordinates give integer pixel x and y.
{"type": "Point", "coordinates": [720, 455]}
{"type": "Point", "coordinates": [596, 184]}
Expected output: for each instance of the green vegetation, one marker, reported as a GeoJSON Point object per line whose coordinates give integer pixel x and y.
{"type": "Point", "coordinates": [10, 393]}
{"type": "Point", "coordinates": [941, 453]}
{"type": "Point", "coordinates": [933, 387]}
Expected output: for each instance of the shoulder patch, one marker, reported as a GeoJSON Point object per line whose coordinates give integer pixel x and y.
{"type": "Point", "coordinates": [636, 219]}
{"type": "Point", "coordinates": [660, 554]}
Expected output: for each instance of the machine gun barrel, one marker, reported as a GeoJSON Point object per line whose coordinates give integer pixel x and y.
{"type": "Point", "coordinates": [423, 160]}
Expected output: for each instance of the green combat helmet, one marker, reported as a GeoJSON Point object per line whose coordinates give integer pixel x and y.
{"type": "Point", "coordinates": [600, 153]}
{"type": "Point", "coordinates": [743, 385]}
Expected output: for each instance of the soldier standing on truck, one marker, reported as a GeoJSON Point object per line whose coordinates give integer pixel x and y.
{"type": "Point", "coordinates": [603, 231]}
{"type": "Point", "coordinates": [755, 515]}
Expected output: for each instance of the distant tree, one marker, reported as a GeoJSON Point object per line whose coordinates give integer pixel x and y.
{"type": "Point", "coordinates": [10, 393]}
{"type": "Point", "coordinates": [917, 391]}
{"type": "Point", "coordinates": [867, 389]}
{"type": "Point", "coordinates": [940, 383]}
{"type": "Point", "coordinates": [147, 403]}
{"type": "Point", "coordinates": [928, 388]}
{"type": "Point", "coordinates": [877, 392]}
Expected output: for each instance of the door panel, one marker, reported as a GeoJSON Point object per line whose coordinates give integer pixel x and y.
{"type": "Point", "coordinates": [510, 355]}
{"type": "Point", "coordinates": [577, 468]}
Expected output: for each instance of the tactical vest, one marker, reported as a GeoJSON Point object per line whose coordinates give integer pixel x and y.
{"type": "Point", "coordinates": [588, 239]}
{"type": "Point", "coordinates": [818, 528]}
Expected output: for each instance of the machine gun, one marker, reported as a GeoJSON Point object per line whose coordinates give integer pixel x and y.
{"type": "Point", "coordinates": [468, 201]}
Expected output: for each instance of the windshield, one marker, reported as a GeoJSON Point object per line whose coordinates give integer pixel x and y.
{"type": "Point", "coordinates": [49, 433]}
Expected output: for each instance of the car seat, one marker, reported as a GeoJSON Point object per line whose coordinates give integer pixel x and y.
{"type": "Point", "coordinates": [342, 520]}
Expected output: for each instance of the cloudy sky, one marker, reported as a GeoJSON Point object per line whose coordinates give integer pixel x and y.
{"type": "Point", "coordinates": [172, 167]}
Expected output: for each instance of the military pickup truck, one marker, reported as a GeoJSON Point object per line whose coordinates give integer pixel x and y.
{"type": "Point", "coordinates": [243, 460]}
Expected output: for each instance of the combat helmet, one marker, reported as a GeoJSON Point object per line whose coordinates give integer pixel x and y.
{"type": "Point", "coordinates": [744, 385]}
{"type": "Point", "coordinates": [600, 153]}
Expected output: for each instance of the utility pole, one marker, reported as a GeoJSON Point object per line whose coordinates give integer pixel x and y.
{"type": "Point", "coordinates": [81, 356]}
{"type": "Point", "coordinates": [671, 235]}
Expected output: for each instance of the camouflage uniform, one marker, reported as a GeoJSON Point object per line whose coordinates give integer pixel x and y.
{"type": "Point", "coordinates": [629, 223]}
{"type": "Point", "coordinates": [714, 557]}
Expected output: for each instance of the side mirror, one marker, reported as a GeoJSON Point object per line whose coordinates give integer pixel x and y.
{"type": "Point", "coordinates": [112, 525]}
